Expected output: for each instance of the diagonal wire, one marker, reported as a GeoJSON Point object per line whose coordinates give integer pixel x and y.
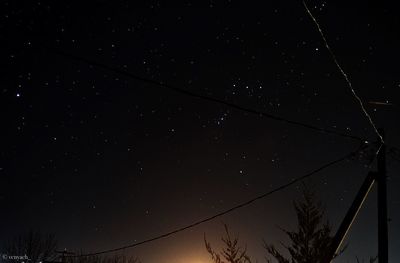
{"type": "Point", "coordinates": [227, 211]}
{"type": "Point", "coordinates": [349, 84]}
{"type": "Point", "coordinates": [195, 95]}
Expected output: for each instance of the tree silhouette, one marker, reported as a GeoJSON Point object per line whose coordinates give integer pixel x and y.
{"type": "Point", "coordinates": [35, 245]}
{"type": "Point", "coordinates": [231, 253]}
{"type": "Point", "coordinates": [311, 240]}
{"type": "Point", "coordinates": [41, 248]}
{"type": "Point", "coordinates": [371, 259]}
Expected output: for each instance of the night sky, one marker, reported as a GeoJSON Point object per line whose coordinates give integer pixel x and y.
{"type": "Point", "coordinates": [103, 160]}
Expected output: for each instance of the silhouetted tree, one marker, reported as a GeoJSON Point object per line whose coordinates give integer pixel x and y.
{"type": "Point", "coordinates": [37, 246]}
{"type": "Point", "coordinates": [311, 240]}
{"type": "Point", "coordinates": [231, 253]}
{"type": "Point", "coordinates": [371, 259]}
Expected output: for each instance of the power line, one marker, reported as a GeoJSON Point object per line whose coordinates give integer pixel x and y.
{"type": "Point", "coordinates": [227, 211]}
{"type": "Point", "coordinates": [349, 84]}
{"type": "Point", "coordinates": [229, 104]}
{"type": "Point", "coordinates": [198, 96]}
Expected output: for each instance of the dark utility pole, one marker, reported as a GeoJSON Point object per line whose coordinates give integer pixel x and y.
{"type": "Point", "coordinates": [382, 205]}
{"type": "Point", "coordinates": [379, 177]}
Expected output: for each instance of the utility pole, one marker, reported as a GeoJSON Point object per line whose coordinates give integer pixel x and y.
{"type": "Point", "coordinates": [382, 205]}
{"type": "Point", "coordinates": [379, 177]}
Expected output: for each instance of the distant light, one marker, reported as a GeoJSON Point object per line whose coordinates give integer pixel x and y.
{"type": "Point", "coordinates": [18, 95]}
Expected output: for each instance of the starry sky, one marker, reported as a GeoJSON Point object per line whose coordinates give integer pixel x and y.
{"type": "Point", "coordinates": [103, 160]}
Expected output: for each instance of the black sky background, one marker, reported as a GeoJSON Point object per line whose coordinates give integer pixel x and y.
{"type": "Point", "coordinates": [103, 160]}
